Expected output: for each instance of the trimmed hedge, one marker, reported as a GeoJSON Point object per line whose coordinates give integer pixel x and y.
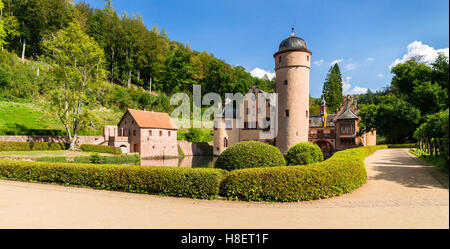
{"type": "Point", "coordinates": [410, 145]}
{"type": "Point", "coordinates": [32, 146]}
{"type": "Point", "coordinates": [304, 153]}
{"type": "Point", "coordinates": [250, 154]}
{"type": "Point", "coordinates": [171, 181]}
{"type": "Point", "coordinates": [101, 149]}
{"type": "Point", "coordinates": [342, 173]}
{"type": "Point", "coordinates": [121, 159]}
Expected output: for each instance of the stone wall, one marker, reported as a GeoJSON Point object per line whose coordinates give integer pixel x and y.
{"type": "Point", "coordinates": [195, 149]}
{"type": "Point", "coordinates": [97, 140]}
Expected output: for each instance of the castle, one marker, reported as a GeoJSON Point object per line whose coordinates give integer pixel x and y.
{"type": "Point", "coordinates": [332, 132]}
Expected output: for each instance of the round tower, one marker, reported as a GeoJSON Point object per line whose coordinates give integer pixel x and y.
{"type": "Point", "coordinates": [292, 66]}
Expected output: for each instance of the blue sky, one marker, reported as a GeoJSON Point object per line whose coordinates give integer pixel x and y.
{"type": "Point", "coordinates": [367, 36]}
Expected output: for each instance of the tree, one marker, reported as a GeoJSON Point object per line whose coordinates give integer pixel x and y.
{"type": "Point", "coordinates": [76, 61]}
{"type": "Point", "coordinates": [332, 88]}
{"type": "Point", "coordinates": [393, 117]}
{"type": "Point", "coordinates": [409, 75]}
{"type": "Point", "coordinates": [2, 30]}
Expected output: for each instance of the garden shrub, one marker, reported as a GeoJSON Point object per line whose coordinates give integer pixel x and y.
{"type": "Point", "coordinates": [342, 173]}
{"type": "Point", "coordinates": [250, 154]}
{"type": "Point", "coordinates": [171, 181]}
{"type": "Point", "coordinates": [101, 149]}
{"type": "Point", "coordinates": [304, 153]}
{"type": "Point", "coordinates": [32, 146]}
{"type": "Point", "coordinates": [408, 145]}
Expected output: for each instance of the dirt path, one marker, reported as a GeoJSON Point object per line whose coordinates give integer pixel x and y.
{"type": "Point", "coordinates": [400, 193]}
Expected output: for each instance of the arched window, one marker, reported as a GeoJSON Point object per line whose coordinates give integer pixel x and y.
{"type": "Point", "coordinates": [279, 59]}
{"type": "Point", "coordinates": [225, 142]}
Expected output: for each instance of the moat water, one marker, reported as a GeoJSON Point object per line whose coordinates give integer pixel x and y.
{"type": "Point", "coordinates": [187, 162]}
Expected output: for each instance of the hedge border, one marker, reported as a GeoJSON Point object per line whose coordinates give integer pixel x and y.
{"type": "Point", "coordinates": [31, 146]}
{"type": "Point", "coordinates": [201, 183]}
{"type": "Point", "coordinates": [101, 149]}
{"type": "Point", "coordinates": [342, 173]}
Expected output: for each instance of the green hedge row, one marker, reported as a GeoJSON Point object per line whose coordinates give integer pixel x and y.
{"type": "Point", "coordinates": [121, 159]}
{"type": "Point", "coordinates": [29, 146]}
{"type": "Point", "coordinates": [342, 173]}
{"type": "Point", "coordinates": [409, 145]}
{"type": "Point", "coordinates": [171, 181]}
{"type": "Point", "coordinates": [101, 149]}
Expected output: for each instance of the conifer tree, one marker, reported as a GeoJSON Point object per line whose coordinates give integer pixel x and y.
{"type": "Point", "coordinates": [332, 88]}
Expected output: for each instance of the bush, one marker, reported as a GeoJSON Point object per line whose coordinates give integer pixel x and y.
{"type": "Point", "coordinates": [250, 154]}
{"type": "Point", "coordinates": [172, 181]}
{"type": "Point", "coordinates": [409, 145]}
{"type": "Point", "coordinates": [101, 149]}
{"type": "Point", "coordinates": [342, 173]}
{"type": "Point", "coordinates": [31, 146]}
{"type": "Point", "coordinates": [304, 153]}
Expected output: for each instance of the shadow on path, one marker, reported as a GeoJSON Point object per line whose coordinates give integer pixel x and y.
{"type": "Point", "coordinates": [399, 166]}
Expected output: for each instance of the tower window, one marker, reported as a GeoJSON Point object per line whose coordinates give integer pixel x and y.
{"type": "Point", "coordinates": [307, 57]}
{"type": "Point", "coordinates": [285, 82]}
{"type": "Point", "coordinates": [286, 113]}
{"type": "Point", "coordinates": [279, 59]}
{"type": "Point", "coordinates": [307, 114]}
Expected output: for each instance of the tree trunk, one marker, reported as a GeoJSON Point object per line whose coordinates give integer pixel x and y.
{"type": "Point", "coordinates": [112, 65]}
{"type": "Point", "coordinates": [23, 49]}
{"type": "Point", "coordinates": [129, 79]}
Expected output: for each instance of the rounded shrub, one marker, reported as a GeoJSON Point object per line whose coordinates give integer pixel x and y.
{"type": "Point", "coordinates": [250, 154]}
{"type": "Point", "coordinates": [304, 153]}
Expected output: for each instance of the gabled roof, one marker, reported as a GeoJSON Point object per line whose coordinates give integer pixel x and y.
{"type": "Point", "coordinates": [347, 114]}
{"type": "Point", "coordinates": [151, 119]}
{"type": "Point", "coordinates": [316, 120]}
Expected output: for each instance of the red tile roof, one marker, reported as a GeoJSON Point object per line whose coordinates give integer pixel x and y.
{"type": "Point", "coordinates": [151, 119]}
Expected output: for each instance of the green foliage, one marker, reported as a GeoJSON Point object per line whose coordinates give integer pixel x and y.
{"type": "Point", "coordinates": [437, 161]}
{"type": "Point", "coordinates": [304, 153]}
{"type": "Point", "coordinates": [409, 145]}
{"type": "Point", "coordinates": [332, 88]}
{"type": "Point", "coordinates": [342, 173]}
{"type": "Point", "coordinates": [31, 146]}
{"type": "Point", "coordinates": [76, 65]}
{"type": "Point", "coordinates": [101, 149]}
{"type": "Point", "coordinates": [395, 118]}
{"type": "Point", "coordinates": [195, 135]}
{"type": "Point", "coordinates": [250, 154]}
{"type": "Point", "coordinates": [181, 182]}
{"type": "Point", "coordinates": [18, 80]}
{"type": "Point", "coordinates": [95, 159]}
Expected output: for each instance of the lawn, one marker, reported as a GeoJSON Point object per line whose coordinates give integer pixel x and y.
{"type": "Point", "coordinates": [50, 153]}
{"type": "Point", "coordinates": [34, 119]}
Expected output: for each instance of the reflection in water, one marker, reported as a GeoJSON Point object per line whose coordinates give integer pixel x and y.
{"type": "Point", "coordinates": [187, 161]}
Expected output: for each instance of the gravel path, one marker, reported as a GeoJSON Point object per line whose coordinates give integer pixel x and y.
{"type": "Point", "coordinates": [400, 193]}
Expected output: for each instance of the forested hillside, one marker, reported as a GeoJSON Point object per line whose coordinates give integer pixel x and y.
{"type": "Point", "coordinates": [44, 43]}
{"type": "Point", "coordinates": [134, 55]}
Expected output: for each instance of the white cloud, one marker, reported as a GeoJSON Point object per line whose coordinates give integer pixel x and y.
{"type": "Point", "coordinates": [351, 66]}
{"type": "Point", "coordinates": [319, 62]}
{"type": "Point", "coordinates": [358, 90]}
{"type": "Point", "coordinates": [422, 52]}
{"type": "Point", "coordinates": [258, 72]}
{"type": "Point", "coordinates": [346, 86]}
{"type": "Point", "coordinates": [370, 59]}
{"type": "Point", "coordinates": [336, 61]}
{"type": "Point", "coordinates": [380, 75]}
